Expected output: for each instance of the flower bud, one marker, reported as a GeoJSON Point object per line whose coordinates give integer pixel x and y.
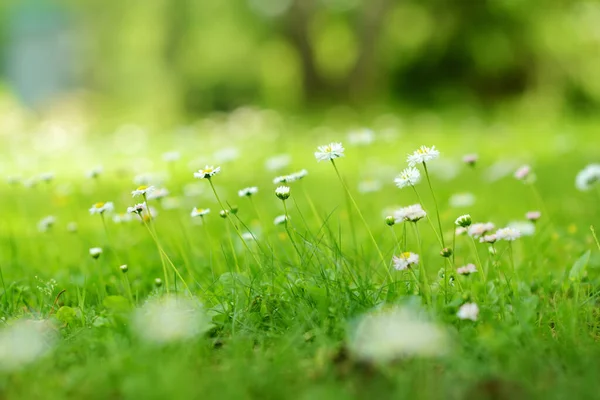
{"type": "Point", "coordinates": [446, 252]}
{"type": "Point", "coordinates": [390, 221]}
{"type": "Point", "coordinates": [224, 213]}
{"type": "Point", "coordinates": [124, 268]}
{"type": "Point", "coordinates": [158, 282]}
{"type": "Point", "coordinates": [463, 221]}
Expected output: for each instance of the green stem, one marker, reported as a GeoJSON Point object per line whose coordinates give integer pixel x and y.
{"type": "Point", "coordinates": [426, 288]}
{"type": "Point", "coordinates": [437, 210]}
{"type": "Point", "coordinates": [428, 219]}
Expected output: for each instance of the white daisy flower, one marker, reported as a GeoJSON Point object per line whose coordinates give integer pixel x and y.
{"type": "Point", "coordinates": [525, 174]}
{"type": "Point", "coordinates": [409, 177]}
{"type": "Point", "coordinates": [533, 215]}
{"type": "Point", "coordinates": [468, 311]}
{"type": "Point", "coordinates": [101, 208]}
{"type": "Point", "coordinates": [281, 219]}
{"type": "Point", "coordinates": [296, 176]}
{"type": "Point", "coordinates": [463, 221]}
{"type": "Point", "coordinates": [46, 223]}
{"type": "Point", "coordinates": [362, 137]}
{"type": "Point", "coordinates": [199, 212]}
{"type": "Point", "coordinates": [25, 341]}
{"type": "Point", "coordinates": [282, 192]}
{"type": "Point", "coordinates": [208, 172]}
{"type": "Point", "coordinates": [278, 162]}
{"type": "Point", "coordinates": [588, 177]}
{"type": "Point", "coordinates": [329, 152]}
{"type": "Point", "coordinates": [248, 236]}
{"type": "Point", "coordinates": [169, 319]}
{"type": "Point", "coordinates": [137, 209]}
{"type": "Point", "coordinates": [411, 213]}
{"type": "Point", "coordinates": [492, 238]}
{"type": "Point", "coordinates": [508, 234]}
{"type": "Point", "coordinates": [422, 155]}
{"type": "Point", "coordinates": [95, 252]}
{"type": "Point", "coordinates": [282, 179]}
{"type": "Point", "coordinates": [171, 156]}
{"type": "Point", "coordinates": [142, 190]}
{"type": "Point", "coordinates": [461, 200]}
{"type": "Point", "coordinates": [247, 192]}
{"type": "Point", "coordinates": [467, 269]}
{"type": "Point", "coordinates": [47, 176]}
{"type": "Point", "coordinates": [479, 229]}
{"type": "Point", "coordinates": [94, 172]}
{"type": "Point", "coordinates": [405, 260]}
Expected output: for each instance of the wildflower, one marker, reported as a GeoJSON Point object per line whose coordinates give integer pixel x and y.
{"type": "Point", "coordinates": [588, 177]}
{"type": "Point", "coordinates": [329, 152]}
{"type": "Point", "coordinates": [387, 335]}
{"type": "Point", "coordinates": [508, 234]}
{"type": "Point", "coordinates": [488, 238]}
{"type": "Point", "coordinates": [158, 282]}
{"type": "Point", "coordinates": [468, 311]}
{"type": "Point", "coordinates": [95, 252]}
{"type": "Point", "coordinates": [158, 194]}
{"type": "Point", "coordinates": [282, 192]}
{"type": "Point", "coordinates": [247, 192]}
{"type": "Point", "coordinates": [137, 209]}
{"type": "Point", "coordinates": [422, 155]}
{"type": "Point", "coordinates": [467, 269]}
{"type": "Point", "coordinates": [390, 221]}
{"type": "Point", "coordinates": [46, 223]}
{"type": "Point", "coordinates": [480, 229]}
{"type": "Point", "coordinates": [411, 213]}
{"type": "Point", "coordinates": [369, 186]}
{"type": "Point", "coordinates": [248, 236]}
{"type": "Point", "coordinates": [169, 319]}
{"type": "Point", "coordinates": [533, 216]}
{"type": "Point", "coordinates": [362, 137]}
{"type": "Point", "coordinates": [208, 172]}
{"type": "Point", "coordinates": [199, 212]}
{"type": "Point", "coordinates": [283, 179]}
{"type": "Point", "coordinates": [409, 177]}
{"type": "Point", "coordinates": [142, 190]}
{"type": "Point", "coordinates": [525, 228]}
{"type": "Point", "coordinates": [25, 341]}
{"type": "Point", "coordinates": [446, 252]}
{"type": "Point", "coordinates": [47, 176]}
{"type": "Point", "coordinates": [460, 231]}
{"type": "Point", "coordinates": [223, 213]}
{"type": "Point", "coordinates": [281, 219]}
{"type": "Point", "coordinates": [94, 172]}
{"type": "Point", "coordinates": [461, 200]}
{"type": "Point", "coordinates": [470, 159]}
{"type": "Point", "coordinates": [405, 260]}
{"type": "Point", "coordinates": [124, 268]}
{"type": "Point", "coordinates": [278, 162]}
{"type": "Point", "coordinates": [463, 221]}
{"type": "Point", "coordinates": [171, 156]}
{"type": "Point", "coordinates": [525, 174]}
{"type": "Point", "coordinates": [101, 208]}
{"type": "Point", "coordinates": [296, 176]}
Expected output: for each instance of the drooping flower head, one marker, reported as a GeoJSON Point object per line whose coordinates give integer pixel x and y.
{"type": "Point", "coordinates": [329, 152]}
{"type": "Point", "coordinates": [468, 311]}
{"type": "Point", "coordinates": [142, 190]}
{"type": "Point", "coordinates": [247, 192]}
{"type": "Point", "coordinates": [463, 221]}
{"type": "Point", "coordinates": [408, 177]}
{"type": "Point", "coordinates": [412, 213]}
{"type": "Point", "coordinates": [137, 209]}
{"type": "Point", "coordinates": [588, 177]}
{"type": "Point", "coordinates": [509, 234]}
{"type": "Point", "coordinates": [405, 260]}
{"type": "Point", "coordinates": [207, 172]}
{"type": "Point", "coordinates": [95, 252]}
{"type": "Point", "coordinates": [101, 208]}
{"type": "Point", "coordinates": [422, 155]}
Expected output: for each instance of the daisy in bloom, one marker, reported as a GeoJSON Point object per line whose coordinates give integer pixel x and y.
{"type": "Point", "coordinates": [588, 177]}
{"type": "Point", "coordinates": [282, 192]}
{"type": "Point", "coordinates": [208, 172]}
{"type": "Point", "coordinates": [94, 172]}
{"type": "Point", "coordinates": [468, 311]}
{"type": "Point", "coordinates": [101, 208]}
{"type": "Point", "coordinates": [247, 192]}
{"type": "Point", "coordinates": [509, 234]}
{"type": "Point", "coordinates": [281, 219]}
{"type": "Point", "coordinates": [362, 137]}
{"type": "Point", "coordinates": [480, 229]}
{"type": "Point", "coordinates": [158, 194]}
{"type": "Point", "coordinates": [411, 213]}
{"type": "Point", "coordinates": [199, 212]}
{"type": "Point", "coordinates": [137, 209]}
{"type": "Point", "coordinates": [470, 159]}
{"type": "Point", "coordinates": [95, 252]}
{"type": "Point", "coordinates": [488, 238]}
{"type": "Point", "coordinates": [329, 152]}
{"type": "Point", "coordinates": [171, 156]}
{"type": "Point", "coordinates": [533, 215]}
{"type": "Point", "coordinates": [422, 155]}
{"type": "Point", "coordinates": [409, 177]}
{"type": "Point", "coordinates": [46, 223]}
{"type": "Point", "coordinates": [383, 336]}
{"type": "Point", "coordinates": [463, 221]}
{"type": "Point", "coordinates": [283, 179]}
{"type": "Point", "coordinates": [296, 176]}
{"type": "Point", "coordinates": [525, 174]}
{"type": "Point", "coordinates": [142, 190]}
{"type": "Point", "coordinates": [405, 260]}
{"type": "Point", "coordinates": [467, 269]}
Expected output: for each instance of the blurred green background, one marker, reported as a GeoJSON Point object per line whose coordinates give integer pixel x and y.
{"type": "Point", "coordinates": [176, 59]}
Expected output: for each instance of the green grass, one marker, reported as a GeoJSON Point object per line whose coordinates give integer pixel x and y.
{"type": "Point", "coordinates": [281, 308]}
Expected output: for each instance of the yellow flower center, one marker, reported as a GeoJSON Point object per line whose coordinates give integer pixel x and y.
{"type": "Point", "coordinates": [143, 187]}
{"type": "Point", "coordinates": [406, 254]}
{"type": "Point", "coordinates": [99, 205]}
{"type": "Point", "coordinates": [328, 149]}
{"type": "Point", "coordinates": [208, 170]}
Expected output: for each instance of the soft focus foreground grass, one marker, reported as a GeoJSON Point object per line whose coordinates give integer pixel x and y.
{"type": "Point", "coordinates": [279, 328]}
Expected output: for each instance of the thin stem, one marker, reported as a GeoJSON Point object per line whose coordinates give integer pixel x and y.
{"type": "Point", "coordinates": [480, 264]}
{"type": "Point", "coordinates": [428, 219]}
{"type": "Point", "coordinates": [437, 210]}
{"type": "Point", "coordinates": [385, 264]}
{"type": "Point", "coordinates": [287, 229]}
{"type": "Point", "coordinates": [426, 288]}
